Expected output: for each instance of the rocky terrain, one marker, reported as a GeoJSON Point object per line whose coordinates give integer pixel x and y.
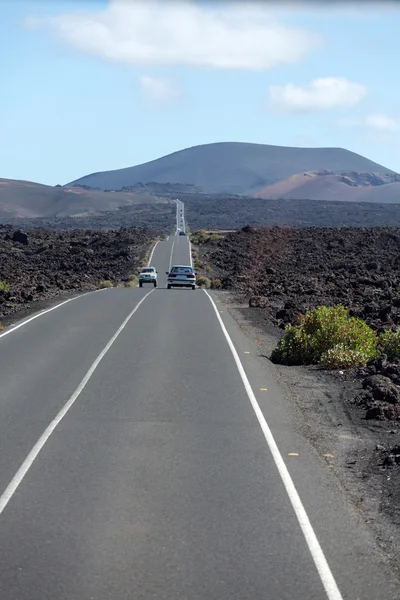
{"type": "Point", "coordinates": [228, 212]}
{"type": "Point", "coordinates": [160, 216]}
{"type": "Point", "coordinates": [292, 270]}
{"type": "Point", "coordinates": [162, 189]}
{"type": "Point", "coordinates": [40, 264]}
{"type": "Point", "coordinates": [279, 273]}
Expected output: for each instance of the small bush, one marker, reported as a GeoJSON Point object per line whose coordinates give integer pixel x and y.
{"type": "Point", "coordinates": [202, 237]}
{"type": "Point", "coordinates": [1, 326]}
{"type": "Point", "coordinates": [203, 281]}
{"type": "Point", "coordinates": [340, 357]}
{"type": "Point", "coordinates": [105, 284]}
{"type": "Point", "coordinates": [390, 342]}
{"type": "Point", "coordinates": [215, 284]}
{"type": "Point", "coordinates": [131, 284]}
{"type": "Point", "coordinates": [132, 277]}
{"type": "Point", "coordinates": [4, 287]}
{"type": "Point", "coordinates": [327, 336]}
{"type": "Point", "coordinates": [209, 269]}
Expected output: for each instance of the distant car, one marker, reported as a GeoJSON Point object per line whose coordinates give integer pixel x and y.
{"type": "Point", "coordinates": [181, 276]}
{"type": "Point", "coordinates": [182, 233]}
{"type": "Point", "coordinates": [148, 275]}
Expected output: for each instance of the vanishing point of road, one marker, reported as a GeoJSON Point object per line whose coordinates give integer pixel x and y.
{"type": "Point", "coordinates": [145, 453]}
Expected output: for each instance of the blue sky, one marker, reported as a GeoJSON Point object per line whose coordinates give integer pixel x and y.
{"type": "Point", "coordinates": [98, 85]}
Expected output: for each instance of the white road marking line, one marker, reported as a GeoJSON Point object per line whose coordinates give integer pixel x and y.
{"type": "Point", "coordinates": [177, 215]}
{"type": "Point", "coordinates": [47, 310]}
{"type": "Point", "coordinates": [190, 253]}
{"type": "Point", "coordinates": [170, 258]}
{"type": "Point", "coordinates": [151, 255]}
{"type": "Point", "coordinates": [29, 460]}
{"type": "Point", "coordinates": [325, 574]}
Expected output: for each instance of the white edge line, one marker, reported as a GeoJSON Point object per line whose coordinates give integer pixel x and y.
{"type": "Point", "coordinates": [170, 256]}
{"type": "Point", "coordinates": [151, 254]}
{"type": "Point", "coordinates": [45, 311]}
{"type": "Point", "coordinates": [29, 460]}
{"type": "Point", "coordinates": [324, 571]}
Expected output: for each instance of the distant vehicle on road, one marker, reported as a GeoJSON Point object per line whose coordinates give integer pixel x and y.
{"type": "Point", "coordinates": [148, 275]}
{"type": "Point", "coordinates": [181, 276]}
{"type": "Point", "coordinates": [182, 233]}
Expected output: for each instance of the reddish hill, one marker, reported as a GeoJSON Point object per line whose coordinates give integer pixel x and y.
{"type": "Point", "coordinates": [20, 199]}
{"type": "Point", "coordinates": [339, 186]}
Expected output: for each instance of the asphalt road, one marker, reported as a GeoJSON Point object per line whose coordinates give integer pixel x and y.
{"type": "Point", "coordinates": [160, 481]}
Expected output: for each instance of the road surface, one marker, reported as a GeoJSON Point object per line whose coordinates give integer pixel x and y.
{"type": "Point", "coordinates": [159, 480]}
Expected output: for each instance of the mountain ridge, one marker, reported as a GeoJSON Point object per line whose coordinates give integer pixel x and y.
{"type": "Point", "coordinates": [239, 168]}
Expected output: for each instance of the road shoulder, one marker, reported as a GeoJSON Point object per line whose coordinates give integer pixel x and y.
{"type": "Point", "coordinates": [324, 425]}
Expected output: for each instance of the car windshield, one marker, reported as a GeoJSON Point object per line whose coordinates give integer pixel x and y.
{"type": "Point", "coordinates": [147, 270]}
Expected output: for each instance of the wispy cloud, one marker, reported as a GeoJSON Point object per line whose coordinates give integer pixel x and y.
{"type": "Point", "coordinates": [319, 95]}
{"type": "Point", "coordinates": [158, 92]}
{"type": "Point", "coordinates": [381, 122]}
{"type": "Point", "coordinates": [230, 35]}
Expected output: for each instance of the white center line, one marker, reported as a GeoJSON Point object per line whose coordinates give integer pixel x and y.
{"type": "Point", "coordinates": [28, 462]}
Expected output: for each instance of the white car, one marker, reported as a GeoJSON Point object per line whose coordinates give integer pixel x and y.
{"type": "Point", "coordinates": [181, 276]}
{"type": "Point", "coordinates": [148, 275]}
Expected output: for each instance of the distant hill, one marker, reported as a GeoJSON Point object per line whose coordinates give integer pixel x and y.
{"type": "Point", "coordinates": [232, 167]}
{"type": "Point", "coordinates": [25, 199]}
{"type": "Point", "coordinates": [329, 186]}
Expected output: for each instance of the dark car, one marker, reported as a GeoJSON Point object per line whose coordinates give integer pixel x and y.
{"type": "Point", "coordinates": [182, 233]}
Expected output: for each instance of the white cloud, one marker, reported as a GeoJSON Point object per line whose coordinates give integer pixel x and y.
{"type": "Point", "coordinates": [375, 127]}
{"type": "Point", "coordinates": [229, 35]}
{"type": "Point", "coordinates": [381, 122]}
{"type": "Point", "coordinates": [159, 92]}
{"type": "Point", "coordinates": [318, 95]}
